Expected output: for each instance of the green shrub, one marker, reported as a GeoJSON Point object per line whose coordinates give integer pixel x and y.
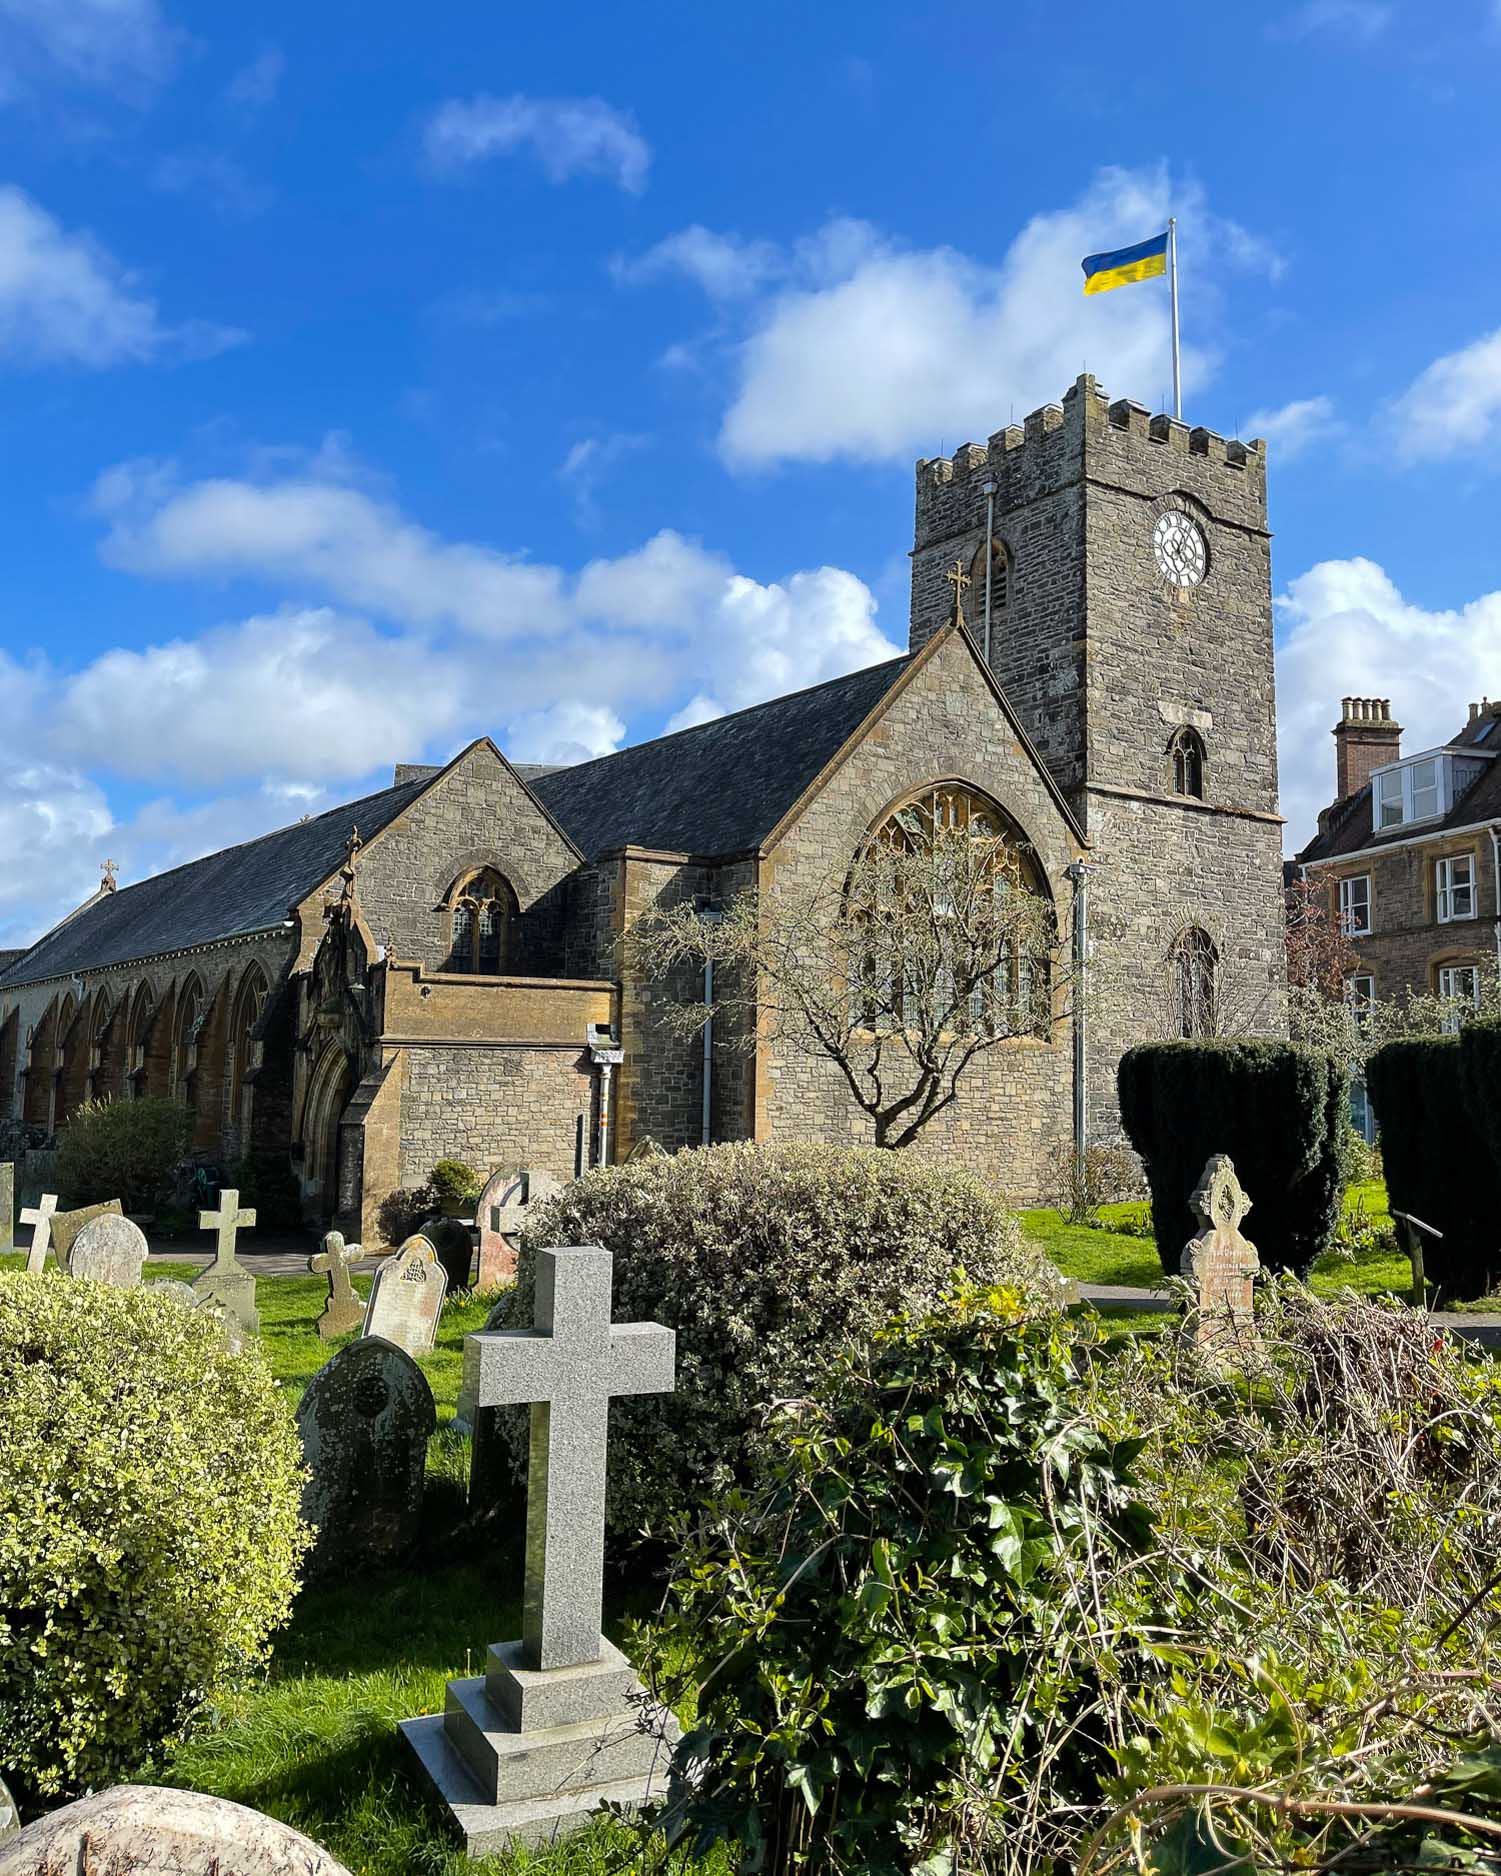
{"type": "Point", "coordinates": [1279, 1110]}
{"type": "Point", "coordinates": [1105, 1174]}
{"type": "Point", "coordinates": [1438, 1163]}
{"type": "Point", "coordinates": [149, 1527]}
{"type": "Point", "coordinates": [124, 1150]}
{"type": "Point", "coordinates": [453, 1182]}
{"type": "Point", "coordinates": [888, 1614]}
{"type": "Point", "coordinates": [402, 1212]}
{"type": "Point", "coordinates": [765, 1260]}
{"type": "Point", "coordinates": [1480, 1051]}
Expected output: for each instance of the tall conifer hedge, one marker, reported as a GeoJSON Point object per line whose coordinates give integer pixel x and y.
{"type": "Point", "coordinates": [1436, 1101]}
{"type": "Point", "coordinates": [1282, 1113]}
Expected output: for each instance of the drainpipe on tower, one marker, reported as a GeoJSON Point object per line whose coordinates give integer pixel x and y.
{"type": "Point", "coordinates": [1079, 873]}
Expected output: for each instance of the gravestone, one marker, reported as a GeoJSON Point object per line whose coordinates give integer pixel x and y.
{"type": "Point", "coordinates": [146, 1830]}
{"type": "Point", "coordinates": [227, 1280]}
{"type": "Point", "coordinates": [7, 1206]}
{"type": "Point", "coordinates": [10, 1817]}
{"type": "Point", "coordinates": [1220, 1263]}
{"type": "Point", "coordinates": [39, 1217]}
{"type": "Point", "coordinates": [109, 1249]}
{"type": "Point", "coordinates": [67, 1225]}
{"type": "Point", "coordinates": [344, 1311]}
{"type": "Point", "coordinates": [453, 1243]}
{"type": "Point", "coordinates": [501, 1213]}
{"type": "Point", "coordinates": [365, 1422]}
{"type": "Point", "coordinates": [406, 1297]}
{"type": "Point", "coordinates": [177, 1291]}
{"type": "Point", "coordinates": [550, 1732]}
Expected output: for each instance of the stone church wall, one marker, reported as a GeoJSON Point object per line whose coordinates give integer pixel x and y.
{"type": "Point", "coordinates": [495, 1107]}
{"type": "Point", "coordinates": [1013, 1118]}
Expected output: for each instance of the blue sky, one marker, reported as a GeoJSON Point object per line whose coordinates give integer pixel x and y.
{"type": "Point", "coordinates": [374, 377]}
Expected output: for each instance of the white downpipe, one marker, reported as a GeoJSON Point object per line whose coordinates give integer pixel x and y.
{"type": "Point", "coordinates": [606, 1070]}
{"type": "Point", "coordinates": [1496, 864]}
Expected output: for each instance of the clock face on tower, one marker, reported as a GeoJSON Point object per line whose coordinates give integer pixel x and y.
{"type": "Point", "coordinates": [1180, 548]}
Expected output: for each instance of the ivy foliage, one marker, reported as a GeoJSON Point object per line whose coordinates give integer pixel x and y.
{"type": "Point", "coordinates": [149, 1524]}
{"type": "Point", "coordinates": [891, 1619]}
{"type": "Point", "coordinates": [1279, 1110]}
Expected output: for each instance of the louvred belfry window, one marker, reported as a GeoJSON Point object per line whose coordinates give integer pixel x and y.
{"type": "Point", "coordinates": [483, 910]}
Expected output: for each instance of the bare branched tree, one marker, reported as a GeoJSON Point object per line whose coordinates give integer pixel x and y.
{"type": "Point", "coordinates": [937, 946]}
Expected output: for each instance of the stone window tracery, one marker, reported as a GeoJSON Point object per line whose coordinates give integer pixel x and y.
{"type": "Point", "coordinates": [482, 911]}
{"type": "Point", "coordinates": [1194, 964]}
{"type": "Point", "coordinates": [1187, 751]}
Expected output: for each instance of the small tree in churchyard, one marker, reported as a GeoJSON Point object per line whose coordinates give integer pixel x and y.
{"type": "Point", "coordinates": [934, 947]}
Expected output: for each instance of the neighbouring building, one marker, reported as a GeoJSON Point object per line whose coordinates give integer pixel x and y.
{"type": "Point", "coordinates": [433, 971]}
{"type": "Point", "coordinates": [1408, 851]}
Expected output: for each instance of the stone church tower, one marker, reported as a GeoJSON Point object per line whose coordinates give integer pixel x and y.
{"type": "Point", "coordinates": [1129, 623]}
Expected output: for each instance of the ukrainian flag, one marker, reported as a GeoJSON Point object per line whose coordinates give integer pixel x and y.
{"type": "Point", "coordinates": [1145, 261]}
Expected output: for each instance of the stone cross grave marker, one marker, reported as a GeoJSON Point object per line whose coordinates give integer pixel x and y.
{"type": "Point", "coordinates": [109, 1249]}
{"type": "Point", "coordinates": [1219, 1262]}
{"type": "Point", "coordinates": [501, 1213]}
{"type": "Point", "coordinates": [39, 1217]}
{"type": "Point", "coordinates": [406, 1297]}
{"type": "Point", "coordinates": [7, 1205]}
{"type": "Point", "coordinates": [549, 1732]}
{"type": "Point", "coordinates": [344, 1310]}
{"type": "Point", "coordinates": [226, 1281]}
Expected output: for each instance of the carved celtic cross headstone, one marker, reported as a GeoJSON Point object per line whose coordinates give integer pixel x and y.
{"type": "Point", "coordinates": [1219, 1262]}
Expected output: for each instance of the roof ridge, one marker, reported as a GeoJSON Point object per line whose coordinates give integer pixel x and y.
{"type": "Point", "coordinates": [727, 716]}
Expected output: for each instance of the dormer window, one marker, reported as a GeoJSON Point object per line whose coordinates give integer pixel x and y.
{"type": "Point", "coordinates": [1424, 788]}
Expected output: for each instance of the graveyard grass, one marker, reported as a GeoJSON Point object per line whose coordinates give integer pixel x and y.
{"type": "Point", "coordinates": [314, 1742]}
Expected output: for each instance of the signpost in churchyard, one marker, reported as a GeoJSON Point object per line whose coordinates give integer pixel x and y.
{"type": "Point", "coordinates": [39, 1217]}
{"type": "Point", "coordinates": [226, 1281]}
{"type": "Point", "coordinates": [549, 1733]}
{"type": "Point", "coordinates": [406, 1297]}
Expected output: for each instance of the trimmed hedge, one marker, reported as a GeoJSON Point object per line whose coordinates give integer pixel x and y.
{"type": "Point", "coordinates": [1439, 1163]}
{"type": "Point", "coordinates": [1480, 1051]}
{"type": "Point", "coordinates": [766, 1261]}
{"type": "Point", "coordinates": [1282, 1113]}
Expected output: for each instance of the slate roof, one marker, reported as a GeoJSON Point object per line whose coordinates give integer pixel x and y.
{"type": "Point", "coordinates": [1349, 828]}
{"type": "Point", "coordinates": [721, 787]}
{"type": "Point", "coordinates": [241, 889]}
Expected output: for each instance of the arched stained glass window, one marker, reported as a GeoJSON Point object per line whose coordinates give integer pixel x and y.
{"type": "Point", "coordinates": [483, 909]}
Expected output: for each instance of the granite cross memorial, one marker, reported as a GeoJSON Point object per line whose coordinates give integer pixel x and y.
{"type": "Point", "coordinates": [39, 1217]}
{"type": "Point", "coordinates": [109, 1249]}
{"type": "Point", "coordinates": [1219, 1262]}
{"type": "Point", "coordinates": [226, 1280]}
{"type": "Point", "coordinates": [406, 1297]}
{"type": "Point", "coordinates": [343, 1311]}
{"type": "Point", "coordinates": [550, 1732]}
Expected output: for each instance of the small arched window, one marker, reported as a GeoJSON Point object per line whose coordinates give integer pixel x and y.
{"type": "Point", "coordinates": [1194, 964]}
{"type": "Point", "coordinates": [1000, 581]}
{"type": "Point", "coordinates": [483, 908]}
{"type": "Point", "coordinates": [1187, 749]}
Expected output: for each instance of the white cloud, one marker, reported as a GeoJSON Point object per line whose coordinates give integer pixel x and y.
{"type": "Point", "coordinates": [874, 352]}
{"type": "Point", "coordinates": [53, 826]}
{"type": "Point", "coordinates": [64, 300]}
{"type": "Point", "coordinates": [567, 731]}
{"type": "Point", "coordinates": [587, 464]}
{"type": "Point", "coordinates": [724, 266]}
{"type": "Point", "coordinates": [1294, 427]}
{"type": "Point", "coordinates": [1349, 632]}
{"type": "Point", "coordinates": [1453, 406]}
{"type": "Point", "coordinates": [121, 45]}
{"type": "Point", "coordinates": [567, 136]}
{"type": "Point", "coordinates": [255, 85]}
{"type": "Point", "coordinates": [1351, 20]}
{"type": "Point", "coordinates": [216, 177]}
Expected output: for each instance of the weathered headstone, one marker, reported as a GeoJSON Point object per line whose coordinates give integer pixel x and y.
{"type": "Point", "coordinates": [501, 1213]}
{"type": "Point", "coordinates": [227, 1280]}
{"type": "Point", "coordinates": [109, 1249]}
{"type": "Point", "coordinates": [453, 1243]}
{"type": "Point", "coordinates": [1219, 1262]}
{"type": "Point", "coordinates": [10, 1817]}
{"type": "Point", "coordinates": [67, 1225]}
{"type": "Point", "coordinates": [147, 1830]}
{"type": "Point", "coordinates": [344, 1311]}
{"type": "Point", "coordinates": [39, 1217]}
{"type": "Point", "coordinates": [552, 1730]}
{"type": "Point", "coordinates": [365, 1422]}
{"type": "Point", "coordinates": [7, 1205]}
{"type": "Point", "coordinates": [406, 1297]}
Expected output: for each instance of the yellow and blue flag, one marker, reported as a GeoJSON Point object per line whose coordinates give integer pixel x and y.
{"type": "Point", "coordinates": [1145, 261]}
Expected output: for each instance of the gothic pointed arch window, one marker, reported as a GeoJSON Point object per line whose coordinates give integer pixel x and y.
{"type": "Point", "coordinates": [1186, 752]}
{"type": "Point", "coordinates": [142, 1016]}
{"type": "Point", "coordinates": [190, 1013]}
{"type": "Point", "coordinates": [971, 948]}
{"type": "Point", "coordinates": [1194, 970]}
{"type": "Point", "coordinates": [1000, 581]}
{"type": "Point", "coordinates": [482, 912]}
{"type": "Point", "coordinates": [250, 1001]}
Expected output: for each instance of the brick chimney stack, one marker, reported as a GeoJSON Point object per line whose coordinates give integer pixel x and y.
{"type": "Point", "coordinates": [1365, 738]}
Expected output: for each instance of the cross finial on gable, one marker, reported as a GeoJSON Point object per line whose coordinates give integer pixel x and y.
{"type": "Point", "coordinates": [107, 874]}
{"type": "Point", "coordinates": [958, 579]}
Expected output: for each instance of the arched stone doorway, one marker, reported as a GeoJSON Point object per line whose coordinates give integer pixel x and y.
{"type": "Point", "coordinates": [328, 1095]}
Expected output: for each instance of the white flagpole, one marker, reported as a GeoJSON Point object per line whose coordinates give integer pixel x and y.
{"type": "Point", "coordinates": [1172, 268]}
